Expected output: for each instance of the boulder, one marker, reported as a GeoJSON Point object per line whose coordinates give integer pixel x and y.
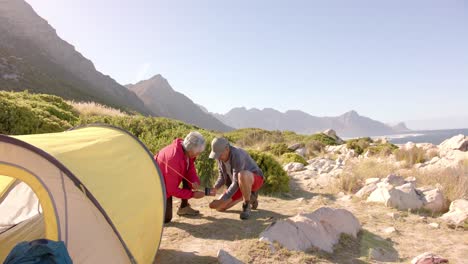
{"type": "Point", "coordinates": [403, 197]}
{"type": "Point", "coordinates": [408, 146]}
{"type": "Point", "coordinates": [372, 180]}
{"type": "Point", "coordinates": [458, 142]}
{"type": "Point", "coordinates": [295, 146]}
{"type": "Point", "coordinates": [301, 151]}
{"type": "Point", "coordinates": [429, 258]}
{"type": "Point", "coordinates": [458, 213]}
{"type": "Point", "coordinates": [225, 258]}
{"type": "Point", "coordinates": [321, 229]}
{"type": "Point", "coordinates": [365, 191]}
{"type": "Point", "coordinates": [434, 200]}
{"type": "Point", "coordinates": [394, 180]}
{"type": "Point", "coordinates": [293, 166]}
{"type": "Point", "coordinates": [390, 230]}
{"type": "Point", "coordinates": [332, 133]}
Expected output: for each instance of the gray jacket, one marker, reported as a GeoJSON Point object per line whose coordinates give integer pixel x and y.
{"type": "Point", "coordinates": [240, 160]}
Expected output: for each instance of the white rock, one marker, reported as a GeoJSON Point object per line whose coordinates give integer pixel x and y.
{"type": "Point", "coordinates": [394, 180]}
{"type": "Point", "coordinates": [301, 151]}
{"type": "Point", "coordinates": [225, 258]}
{"type": "Point", "coordinates": [458, 142]}
{"type": "Point", "coordinates": [372, 180]}
{"type": "Point", "coordinates": [389, 230]}
{"type": "Point", "coordinates": [293, 166]}
{"type": "Point", "coordinates": [434, 225]}
{"type": "Point", "coordinates": [394, 216]}
{"type": "Point", "coordinates": [408, 146]}
{"type": "Point", "coordinates": [458, 212]}
{"type": "Point", "coordinates": [365, 191]}
{"type": "Point", "coordinates": [402, 197]}
{"type": "Point", "coordinates": [434, 200]}
{"type": "Point", "coordinates": [410, 179]}
{"type": "Point", "coordinates": [434, 160]}
{"type": "Point", "coordinates": [321, 228]}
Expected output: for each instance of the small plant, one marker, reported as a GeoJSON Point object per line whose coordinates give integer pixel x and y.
{"type": "Point", "coordinates": [382, 149]}
{"type": "Point", "coordinates": [411, 156]}
{"type": "Point", "coordinates": [359, 145]}
{"type": "Point", "coordinates": [276, 179]}
{"type": "Point", "coordinates": [292, 157]}
{"type": "Point", "coordinates": [279, 149]}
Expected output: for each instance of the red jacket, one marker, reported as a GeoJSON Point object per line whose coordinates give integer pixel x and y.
{"type": "Point", "coordinates": [172, 162]}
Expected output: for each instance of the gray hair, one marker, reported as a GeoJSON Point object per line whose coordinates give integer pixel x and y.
{"type": "Point", "coordinates": [194, 141]}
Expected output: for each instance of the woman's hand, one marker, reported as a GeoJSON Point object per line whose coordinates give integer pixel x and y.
{"type": "Point", "coordinates": [198, 195]}
{"type": "Point", "coordinates": [195, 186]}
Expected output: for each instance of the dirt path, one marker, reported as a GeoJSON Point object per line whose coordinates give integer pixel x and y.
{"type": "Point", "coordinates": [197, 240]}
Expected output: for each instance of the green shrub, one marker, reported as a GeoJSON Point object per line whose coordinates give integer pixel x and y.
{"type": "Point", "coordinates": [382, 149]}
{"type": "Point", "coordinates": [279, 149]}
{"type": "Point", "coordinates": [292, 157]}
{"type": "Point", "coordinates": [359, 145]}
{"type": "Point", "coordinates": [276, 179]}
{"type": "Point", "coordinates": [156, 133]}
{"type": "Point", "coordinates": [313, 147]}
{"type": "Point", "coordinates": [25, 113]}
{"type": "Point", "coordinates": [321, 137]}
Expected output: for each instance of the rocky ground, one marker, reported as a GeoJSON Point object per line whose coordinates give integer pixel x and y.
{"type": "Point", "coordinates": [388, 234]}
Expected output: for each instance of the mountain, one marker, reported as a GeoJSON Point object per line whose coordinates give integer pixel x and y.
{"type": "Point", "coordinates": [350, 124]}
{"type": "Point", "coordinates": [33, 57]}
{"type": "Point", "coordinates": [161, 99]}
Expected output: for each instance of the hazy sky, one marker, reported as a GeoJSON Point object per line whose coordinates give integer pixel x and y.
{"type": "Point", "coordinates": [389, 60]}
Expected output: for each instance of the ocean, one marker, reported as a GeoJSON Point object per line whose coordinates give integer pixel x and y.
{"type": "Point", "coordinates": [426, 136]}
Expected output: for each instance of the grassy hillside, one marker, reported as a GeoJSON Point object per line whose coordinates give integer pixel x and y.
{"type": "Point", "coordinates": [26, 113]}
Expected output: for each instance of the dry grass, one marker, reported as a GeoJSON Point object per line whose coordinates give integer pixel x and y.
{"type": "Point", "coordinates": [95, 109]}
{"type": "Point", "coordinates": [453, 181]}
{"type": "Point", "coordinates": [355, 174]}
{"type": "Point", "coordinates": [413, 156]}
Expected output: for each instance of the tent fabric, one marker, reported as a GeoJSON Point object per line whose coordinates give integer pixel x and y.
{"type": "Point", "coordinates": [98, 184]}
{"type": "Point", "coordinates": [18, 205]}
{"type": "Point", "coordinates": [28, 230]}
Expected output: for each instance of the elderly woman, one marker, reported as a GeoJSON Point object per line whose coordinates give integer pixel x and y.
{"type": "Point", "coordinates": [176, 162]}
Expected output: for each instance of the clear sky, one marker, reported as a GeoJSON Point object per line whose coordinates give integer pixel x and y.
{"type": "Point", "coordinates": [389, 60]}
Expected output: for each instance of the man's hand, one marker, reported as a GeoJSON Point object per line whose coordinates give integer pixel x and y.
{"type": "Point", "coordinates": [198, 195]}
{"type": "Point", "coordinates": [215, 204]}
{"type": "Point", "coordinates": [195, 186]}
{"type": "Point", "coordinates": [213, 191]}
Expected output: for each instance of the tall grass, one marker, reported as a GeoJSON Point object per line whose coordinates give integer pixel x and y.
{"type": "Point", "coordinates": [355, 174]}
{"type": "Point", "coordinates": [95, 109]}
{"type": "Point", "coordinates": [411, 156]}
{"type": "Point", "coordinates": [453, 181]}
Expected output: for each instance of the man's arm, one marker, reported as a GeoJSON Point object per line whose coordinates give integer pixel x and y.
{"type": "Point", "coordinates": [220, 181]}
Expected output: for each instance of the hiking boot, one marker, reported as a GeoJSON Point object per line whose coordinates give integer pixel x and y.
{"type": "Point", "coordinates": [254, 200]}
{"type": "Point", "coordinates": [187, 211]}
{"type": "Point", "coordinates": [245, 214]}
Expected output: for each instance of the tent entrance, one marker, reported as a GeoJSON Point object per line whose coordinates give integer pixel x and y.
{"type": "Point", "coordinates": [22, 217]}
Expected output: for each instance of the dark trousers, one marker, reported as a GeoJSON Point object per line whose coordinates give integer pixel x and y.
{"type": "Point", "coordinates": [184, 203]}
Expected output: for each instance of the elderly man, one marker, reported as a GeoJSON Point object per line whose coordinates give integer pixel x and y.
{"type": "Point", "coordinates": [176, 162]}
{"type": "Point", "coordinates": [240, 173]}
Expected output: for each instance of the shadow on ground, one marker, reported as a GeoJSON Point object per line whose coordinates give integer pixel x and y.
{"type": "Point", "coordinates": [174, 256]}
{"type": "Point", "coordinates": [352, 250]}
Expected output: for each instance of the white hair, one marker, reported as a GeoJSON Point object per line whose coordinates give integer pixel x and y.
{"type": "Point", "coordinates": [194, 141]}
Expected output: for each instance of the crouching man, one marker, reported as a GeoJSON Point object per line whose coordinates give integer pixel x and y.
{"type": "Point", "coordinates": [239, 172]}
{"type": "Point", "coordinates": [176, 162]}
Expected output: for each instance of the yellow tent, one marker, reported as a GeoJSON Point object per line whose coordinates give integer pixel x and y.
{"type": "Point", "coordinates": [95, 188]}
